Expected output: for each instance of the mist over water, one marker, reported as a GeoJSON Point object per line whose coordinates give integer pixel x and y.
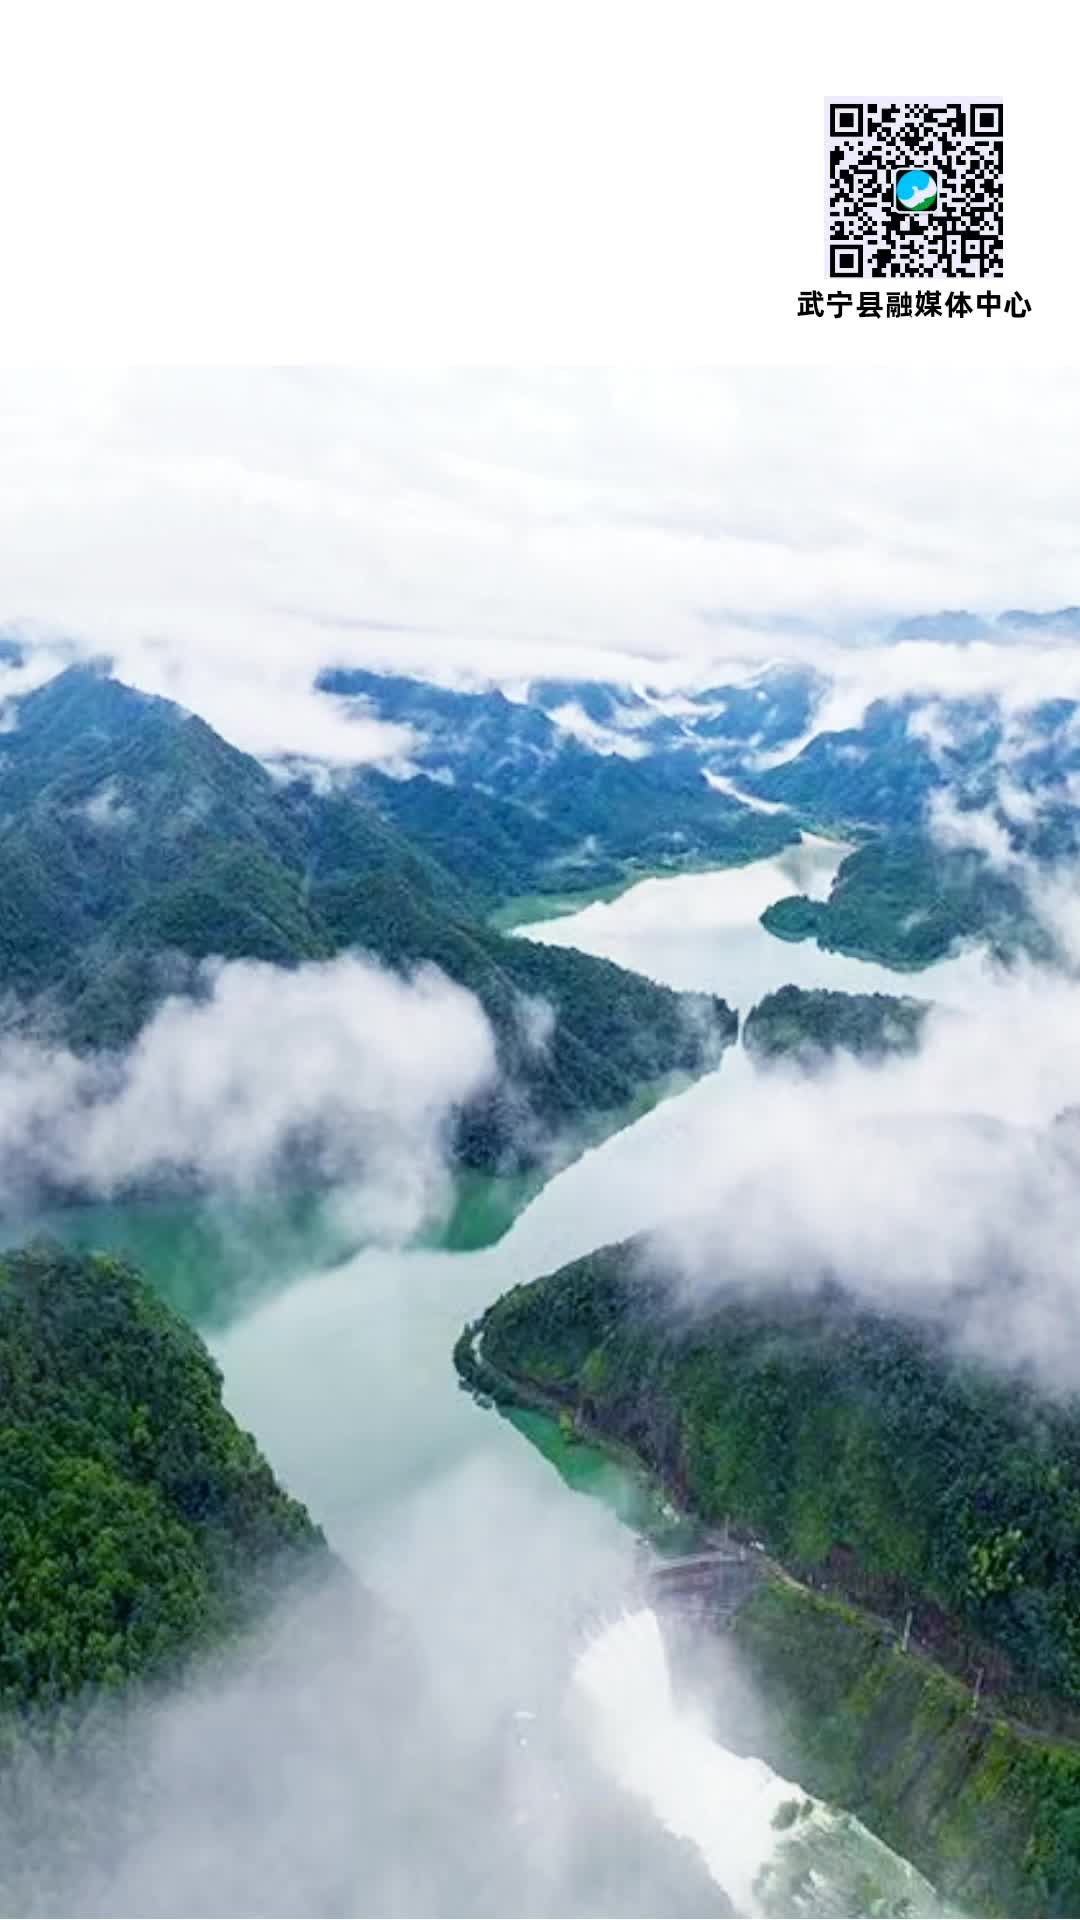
{"type": "Point", "coordinates": [536, 1760]}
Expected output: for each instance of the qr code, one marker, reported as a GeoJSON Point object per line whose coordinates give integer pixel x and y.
{"type": "Point", "coordinates": [914, 189]}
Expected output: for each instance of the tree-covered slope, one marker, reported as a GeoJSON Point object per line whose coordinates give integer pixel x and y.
{"type": "Point", "coordinates": [514, 804]}
{"type": "Point", "coordinates": [1015, 769]}
{"type": "Point", "coordinates": [806, 1025]}
{"type": "Point", "coordinates": [986, 1809]}
{"type": "Point", "coordinates": [883, 772]}
{"type": "Point", "coordinates": [585, 822]}
{"type": "Point", "coordinates": [134, 843]}
{"type": "Point", "coordinates": [886, 1474]}
{"type": "Point", "coordinates": [906, 902]}
{"type": "Point", "coordinates": [842, 1436]}
{"type": "Point", "coordinates": [138, 1523]}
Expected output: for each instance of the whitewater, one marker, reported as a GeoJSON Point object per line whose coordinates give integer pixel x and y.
{"type": "Point", "coordinates": [772, 1848]}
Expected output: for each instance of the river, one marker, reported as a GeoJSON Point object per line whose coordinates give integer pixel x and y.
{"type": "Point", "coordinates": [341, 1366]}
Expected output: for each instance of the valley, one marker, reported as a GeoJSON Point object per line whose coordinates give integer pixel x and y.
{"type": "Point", "coordinates": [634, 996]}
{"type": "Point", "coordinates": [340, 1361]}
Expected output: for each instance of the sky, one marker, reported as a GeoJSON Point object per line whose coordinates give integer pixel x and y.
{"type": "Point", "coordinates": [225, 533]}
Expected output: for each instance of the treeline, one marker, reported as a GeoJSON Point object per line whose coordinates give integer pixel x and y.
{"type": "Point", "coordinates": [139, 1524]}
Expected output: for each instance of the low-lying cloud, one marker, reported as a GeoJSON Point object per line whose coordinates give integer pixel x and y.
{"type": "Point", "coordinates": [348, 1065]}
{"type": "Point", "coordinates": [353, 1760]}
{"type": "Point", "coordinates": [947, 1184]}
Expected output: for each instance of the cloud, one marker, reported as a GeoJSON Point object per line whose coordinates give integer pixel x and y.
{"type": "Point", "coordinates": [344, 1062]}
{"type": "Point", "coordinates": [955, 827]}
{"type": "Point", "coordinates": [572, 718]}
{"type": "Point", "coordinates": [946, 1185]}
{"type": "Point", "coordinates": [106, 808]}
{"type": "Point", "coordinates": [224, 535]}
{"type": "Point", "coordinates": [417, 1757]}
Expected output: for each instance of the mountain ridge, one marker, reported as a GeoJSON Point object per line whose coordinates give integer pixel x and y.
{"type": "Point", "coordinates": [135, 843]}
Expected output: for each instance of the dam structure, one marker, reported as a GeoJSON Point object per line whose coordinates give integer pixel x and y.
{"type": "Point", "coordinates": [708, 1586]}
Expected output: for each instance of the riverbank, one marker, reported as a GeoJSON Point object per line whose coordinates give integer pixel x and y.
{"type": "Point", "coordinates": [981, 1805]}
{"type": "Point", "coordinates": [214, 1256]}
{"type": "Point", "coordinates": [529, 909]}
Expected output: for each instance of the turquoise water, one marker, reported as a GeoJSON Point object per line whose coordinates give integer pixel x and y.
{"type": "Point", "coordinates": [337, 1355]}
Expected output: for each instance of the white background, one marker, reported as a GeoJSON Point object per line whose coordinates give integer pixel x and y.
{"type": "Point", "coordinates": [534, 181]}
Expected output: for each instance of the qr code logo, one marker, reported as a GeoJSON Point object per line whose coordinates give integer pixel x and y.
{"type": "Point", "coordinates": [914, 189]}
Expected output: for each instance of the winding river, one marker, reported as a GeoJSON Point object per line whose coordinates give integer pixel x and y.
{"type": "Point", "coordinates": [341, 1365]}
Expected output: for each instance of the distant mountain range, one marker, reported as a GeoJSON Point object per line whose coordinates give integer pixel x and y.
{"type": "Point", "coordinates": [581, 785]}
{"type": "Point", "coordinates": [135, 842]}
{"type": "Point", "coordinates": [960, 626]}
{"type": "Point", "coordinates": [572, 787]}
{"type": "Point", "coordinates": [621, 774]}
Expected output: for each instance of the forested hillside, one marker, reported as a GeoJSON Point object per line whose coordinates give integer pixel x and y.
{"type": "Point", "coordinates": [837, 1434]}
{"type": "Point", "coordinates": [138, 1524]}
{"type": "Point", "coordinates": [135, 842]}
{"type": "Point", "coordinates": [906, 902]}
{"type": "Point", "coordinates": [882, 1470]}
{"type": "Point", "coordinates": [886, 772]}
{"type": "Point", "coordinates": [513, 804]}
{"type": "Point", "coordinates": [807, 1025]}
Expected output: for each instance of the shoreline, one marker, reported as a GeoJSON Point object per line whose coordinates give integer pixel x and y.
{"type": "Point", "coordinates": [531, 909]}
{"type": "Point", "coordinates": [863, 1720]}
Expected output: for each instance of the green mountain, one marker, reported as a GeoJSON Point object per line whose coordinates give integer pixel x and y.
{"type": "Point", "coordinates": [513, 804]}
{"type": "Point", "coordinates": [138, 1524]}
{"type": "Point", "coordinates": [906, 902]}
{"type": "Point", "coordinates": [885, 1474]}
{"type": "Point", "coordinates": [886, 773]}
{"type": "Point", "coordinates": [807, 1025]}
{"type": "Point", "coordinates": [135, 842]}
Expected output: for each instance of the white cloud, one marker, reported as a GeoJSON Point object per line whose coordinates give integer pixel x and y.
{"type": "Point", "coordinates": [107, 808]}
{"type": "Point", "coordinates": [955, 827]}
{"type": "Point", "coordinates": [226, 533]}
{"type": "Point", "coordinates": [943, 1184]}
{"type": "Point", "coordinates": [934, 727]}
{"type": "Point", "coordinates": [573, 719]}
{"type": "Point", "coordinates": [358, 1067]}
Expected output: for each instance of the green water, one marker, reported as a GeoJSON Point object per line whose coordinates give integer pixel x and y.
{"type": "Point", "coordinates": [213, 1258]}
{"type": "Point", "coordinates": [621, 1486]}
{"type": "Point", "coordinates": [336, 1353]}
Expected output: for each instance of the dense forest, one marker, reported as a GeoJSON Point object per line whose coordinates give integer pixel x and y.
{"type": "Point", "coordinates": [886, 1472]}
{"type": "Point", "coordinates": [138, 1524]}
{"type": "Point", "coordinates": [807, 1025]}
{"type": "Point", "coordinates": [851, 1441]}
{"type": "Point", "coordinates": [589, 821]}
{"type": "Point", "coordinates": [135, 843]}
{"type": "Point", "coordinates": [907, 903]}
